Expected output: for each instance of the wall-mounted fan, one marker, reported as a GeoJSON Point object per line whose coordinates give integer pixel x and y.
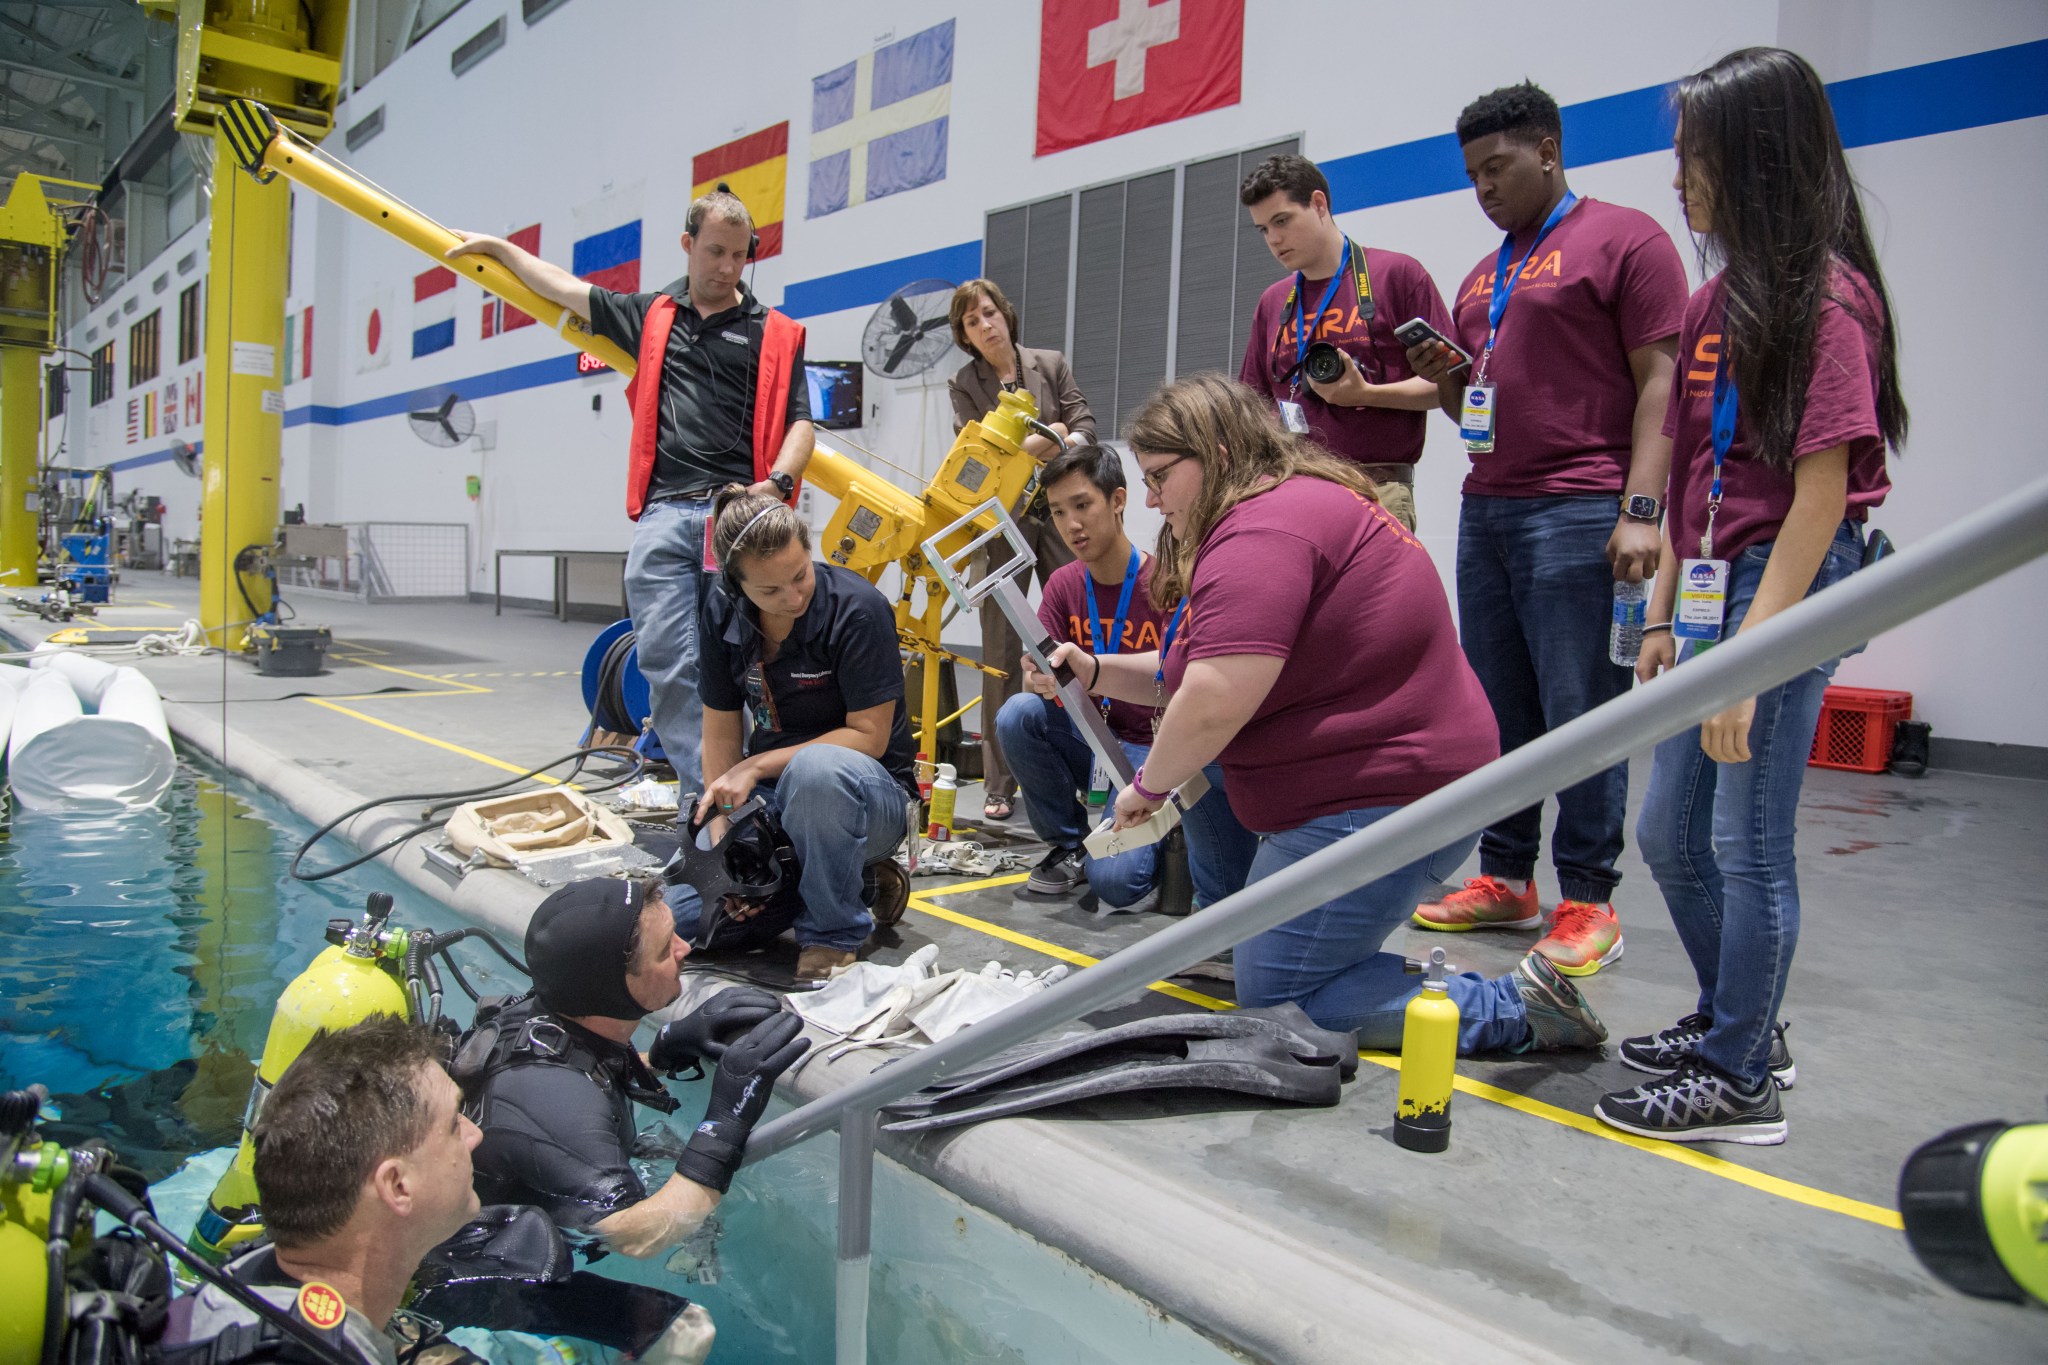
{"type": "Point", "coordinates": [185, 458]}
{"type": "Point", "coordinates": [449, 424]}
{"type": "Point", "coordinates": [911, 331]}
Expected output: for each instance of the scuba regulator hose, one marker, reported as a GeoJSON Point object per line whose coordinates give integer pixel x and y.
{"type": "Point", "coordinates": [423, 976]}
{"type": "Point", "coordinates": [433, 819]}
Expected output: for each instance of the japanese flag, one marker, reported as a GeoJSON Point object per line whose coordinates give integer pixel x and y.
{"type": "Point", "coordinates": [372, 329]}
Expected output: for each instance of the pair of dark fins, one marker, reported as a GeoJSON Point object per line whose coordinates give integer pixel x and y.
{"type": "Point", "coordinates": [1275, 1052]}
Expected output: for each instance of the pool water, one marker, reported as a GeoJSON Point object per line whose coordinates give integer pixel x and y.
{"type": "Point", "coordinates": [140, 956]}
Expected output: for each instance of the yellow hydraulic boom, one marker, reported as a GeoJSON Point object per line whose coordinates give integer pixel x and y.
{"type": "Point", "coordinates": [876, 524]}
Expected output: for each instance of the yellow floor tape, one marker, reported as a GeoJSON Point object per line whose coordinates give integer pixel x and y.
{"type": "Point", "coordinates": [922, 902]}
{"type": "Point", "coordinates": [1670, 1151]}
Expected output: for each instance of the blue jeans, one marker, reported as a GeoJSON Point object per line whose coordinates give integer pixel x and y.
{"type": "Point", "coordinates": [1329, 961]}
{"type": "Point", "coordinates": [1052, 764]}
{"type": "Point", "coordinates": [842, 811]}
{"type": "Point", "coordinates": [665, 593]}
{"type": "Point", "coordinates": [1535, 597]}
{"type": "Point", "coordinates": [1718, 837]}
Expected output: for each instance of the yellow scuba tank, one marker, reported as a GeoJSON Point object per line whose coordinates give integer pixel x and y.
{"type": "Point", "coordinates": [31, 1173]}
{"type": "Point", "coordinates": [347, 983]}
{"type": "Point", "coordinates": [1429, 1063]}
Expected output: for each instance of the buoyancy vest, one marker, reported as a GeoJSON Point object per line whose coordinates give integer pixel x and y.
{"type": "Point", "coordinates": [781, 338]}
{"type": "Point", "coordinates": [513, 1031]}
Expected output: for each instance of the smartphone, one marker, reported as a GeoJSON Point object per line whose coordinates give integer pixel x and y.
{"type": "Point", "coordinates": [1416, 331]}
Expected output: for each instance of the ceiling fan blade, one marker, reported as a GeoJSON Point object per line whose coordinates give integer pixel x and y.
{"type": "Point", "coordinates": [454, 436]}
{"type": "Point", "coordinates": [447, 406]}
{"type": "Point", "coordinates": [900, 311]}
{"type": "Point", "coordinates": [898, 352]}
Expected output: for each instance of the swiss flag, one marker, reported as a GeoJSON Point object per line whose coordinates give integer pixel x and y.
{"type": "Point", "coordinates": [1114, 66]}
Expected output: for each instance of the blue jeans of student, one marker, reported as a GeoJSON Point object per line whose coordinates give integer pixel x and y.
{"type": "Point", "coordinates": [1718, 837]}
{"type": "Point", "coordinates": [1330, 960]}
{"type": "Point", "coordinates": [1535, 598]}
{"type": "Point", "coordinates": [665, 593]}
{"type": "Point", "coordinates": [842, 811]}
{"type": "Point", "coordinates": [1052, 763]}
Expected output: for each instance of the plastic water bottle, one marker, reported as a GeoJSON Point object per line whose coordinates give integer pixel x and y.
{"type": "Point", "coordinates": [1625, 635]}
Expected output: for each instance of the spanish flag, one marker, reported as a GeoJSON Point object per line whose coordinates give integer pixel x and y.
{"type": "Point", "coordinates": [755, 167]}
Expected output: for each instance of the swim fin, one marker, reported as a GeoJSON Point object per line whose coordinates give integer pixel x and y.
{"type": "Point", "coordinates": [1273, 1053]}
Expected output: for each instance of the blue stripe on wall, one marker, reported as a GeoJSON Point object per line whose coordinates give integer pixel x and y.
{"type": "Point", "coordinates": [873, 283]}
{"type": "Point", "coordinates": [1973, 91]}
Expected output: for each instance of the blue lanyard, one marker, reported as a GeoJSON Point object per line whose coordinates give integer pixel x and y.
{"type": "Point", "coordinates": [1300, 300]}
{"type": "Point", "coordinates": [1123, 606]}
{"type": "Point", "coordinates": [1504, 280]}
{"type": "Point", "coordinates": [1166, 643]}
{"type": "Point", "coordinates": [1725, 405]}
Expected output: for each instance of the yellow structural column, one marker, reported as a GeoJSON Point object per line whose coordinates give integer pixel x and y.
{"type": "Point", "coordinates": [20, 416]}
{"type": "Point", "coordinates": [244, 418]}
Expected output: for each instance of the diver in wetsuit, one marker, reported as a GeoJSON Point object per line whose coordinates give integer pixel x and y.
{"type": "Point", "coordinates": [363, 1165]}
{"type": "Point", "coordinates": [551, 1077]}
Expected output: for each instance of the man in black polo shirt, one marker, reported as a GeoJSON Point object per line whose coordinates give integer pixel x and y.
{"type": "Point", "coordinates": [730, 406]}
{"type": "Point", "coordinates": [803, 705]}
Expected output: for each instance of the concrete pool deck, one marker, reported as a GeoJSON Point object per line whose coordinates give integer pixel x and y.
{"type": "Point", "coordinates": [1306, 1235]}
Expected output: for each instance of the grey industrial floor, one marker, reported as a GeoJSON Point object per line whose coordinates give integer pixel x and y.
{"type": "Point", "coordinates": [1917, 1003]}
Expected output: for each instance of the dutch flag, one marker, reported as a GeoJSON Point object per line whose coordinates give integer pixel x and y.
{"type": "Point", "coordinates": [433, 311]}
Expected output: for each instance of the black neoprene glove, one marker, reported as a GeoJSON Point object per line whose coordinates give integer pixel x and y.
{"type": "Point", "coordinates": [739, 1096]}
{"type": "Point", "coordinates": [705, 1032]}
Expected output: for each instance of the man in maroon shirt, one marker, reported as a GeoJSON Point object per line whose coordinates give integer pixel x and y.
{"type": "Point", "coordinates": [1353, 297]}
{"type": "Point", "coordinates": [1101, 603]}
{"type": "Point", "coordinates": [1572, 327]}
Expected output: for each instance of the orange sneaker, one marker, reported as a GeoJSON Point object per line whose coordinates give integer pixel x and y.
{"type": "Point", "coordinates": [1485, 903]}
{"type": "Point", "coordinates": [1583, 937]}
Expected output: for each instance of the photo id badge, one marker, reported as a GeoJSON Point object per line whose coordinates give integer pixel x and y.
{"type": "Point", "coordinates": [1476, 423]}
{"type": "Point", "coordinates": [1293, 418]}
{"type": "Point", "coordinates": [1702, 600]}
{"type": "Point", "coordinates": [1098, 783]}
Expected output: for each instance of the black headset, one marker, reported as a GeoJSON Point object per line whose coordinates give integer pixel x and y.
{"type": "Point", "coordinates": [695, 220]}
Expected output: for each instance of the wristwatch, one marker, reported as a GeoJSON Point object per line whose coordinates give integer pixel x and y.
{"type": "Point", "coordinates": [787, 484]}
{"type": "Point", "coordinates": [1641, 507]}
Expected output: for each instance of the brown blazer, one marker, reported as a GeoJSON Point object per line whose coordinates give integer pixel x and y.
{"type": "Point", "coordinates": [1045, 373]}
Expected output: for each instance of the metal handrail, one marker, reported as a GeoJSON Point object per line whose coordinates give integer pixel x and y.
{"type": "Point", "coordinates": [1964, 555]}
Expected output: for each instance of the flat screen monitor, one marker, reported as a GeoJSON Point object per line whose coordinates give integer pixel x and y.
{"type": "Point", "coordinates": [835, 390]}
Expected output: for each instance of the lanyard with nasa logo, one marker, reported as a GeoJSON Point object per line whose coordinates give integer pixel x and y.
{"type": "Point", "coordinates": [1703, 582]}
{"type": "Point", "coordinates": [1476, 418]}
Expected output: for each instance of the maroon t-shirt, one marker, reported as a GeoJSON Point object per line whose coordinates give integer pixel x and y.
{"type": "Point", "coordinates": [1606, 282]}
{"type": "Point", "coordinates": [1401, 289]}
{"type": "Point", "coordinates": [1375, 705]}
{"type": "Point", "coordinates": [1063, 610]}
{"type": "Point", "coordinates": [1841, 409]}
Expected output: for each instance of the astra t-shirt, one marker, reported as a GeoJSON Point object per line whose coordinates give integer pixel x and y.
{"type": "Point", "coordinates": [1401, 289]}
{"type": "Point", "coordinates": [1606, 281]}
{"type": "Point", "coordinates": [1841, 409]}
{"type": "Point", "coordinates": [1063, 611]}
{"type": "Point", "coordinates": [1375, 704]}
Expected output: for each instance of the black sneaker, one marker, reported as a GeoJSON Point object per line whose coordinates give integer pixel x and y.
{"type": "Point", "coordinates": [1662, 1052]}
{"type": "Point", "coordinates": [1696, 1103]}
{"type": "Point", "coordinates": [1057, 873]}
{"type": "Point", "coordinates": [1559, 1017]}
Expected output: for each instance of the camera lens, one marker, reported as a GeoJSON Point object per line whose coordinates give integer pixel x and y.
{"type": "Point", "coordinates": [1324, 363]}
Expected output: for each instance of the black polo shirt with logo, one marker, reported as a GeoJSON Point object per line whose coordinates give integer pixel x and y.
{"type": "Point", "coordinates": [841, 656]}
{"type": "Point", "coordinates": [704, 438]}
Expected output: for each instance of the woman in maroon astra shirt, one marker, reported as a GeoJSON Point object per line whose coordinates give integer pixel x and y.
{"type": "Point", "coordinates": [1785, 400]}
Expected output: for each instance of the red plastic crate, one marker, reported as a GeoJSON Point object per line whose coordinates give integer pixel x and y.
{"type": "Point", "coordinates": [1856, 725]}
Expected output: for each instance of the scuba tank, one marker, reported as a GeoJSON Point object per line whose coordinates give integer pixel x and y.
{"type": "Point", "coordinates": [355, 978]}
{"type": "Point", "coordinates": [31, 1172]}
{"type": "Point", "coordinates": [1429, 1063]}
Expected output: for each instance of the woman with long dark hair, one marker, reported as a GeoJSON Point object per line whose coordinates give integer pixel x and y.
{"type": "Point", "coordinates": [1788, 397]}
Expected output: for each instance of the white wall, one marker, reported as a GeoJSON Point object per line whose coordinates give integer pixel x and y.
{"type": "Point", "coordinates": [607, 95]}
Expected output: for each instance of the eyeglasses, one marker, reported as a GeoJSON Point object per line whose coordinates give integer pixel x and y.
{"type": "Point", "coordinates": [1157, 477]}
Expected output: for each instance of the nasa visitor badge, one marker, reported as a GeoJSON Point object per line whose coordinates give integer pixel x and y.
{"type": "Point", "coordinates": [1293, 418]}
{"type": "Point", "coordinates": [1702, 599]}
{"type": "Point", "coordinates": [1475, 424]}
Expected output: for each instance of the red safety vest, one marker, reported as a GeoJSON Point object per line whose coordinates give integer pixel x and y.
{"type": "Point", "coordinates": [781, 337]}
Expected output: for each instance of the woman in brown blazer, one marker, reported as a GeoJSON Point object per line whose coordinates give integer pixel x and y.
{"type": "Point", "coordinates": [985, 326]}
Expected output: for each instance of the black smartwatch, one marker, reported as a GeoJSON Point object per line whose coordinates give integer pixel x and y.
{"type": "Point", "coordinates": [786, 483]}
{"type": "Point", "coordinates": [1641, 507]}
